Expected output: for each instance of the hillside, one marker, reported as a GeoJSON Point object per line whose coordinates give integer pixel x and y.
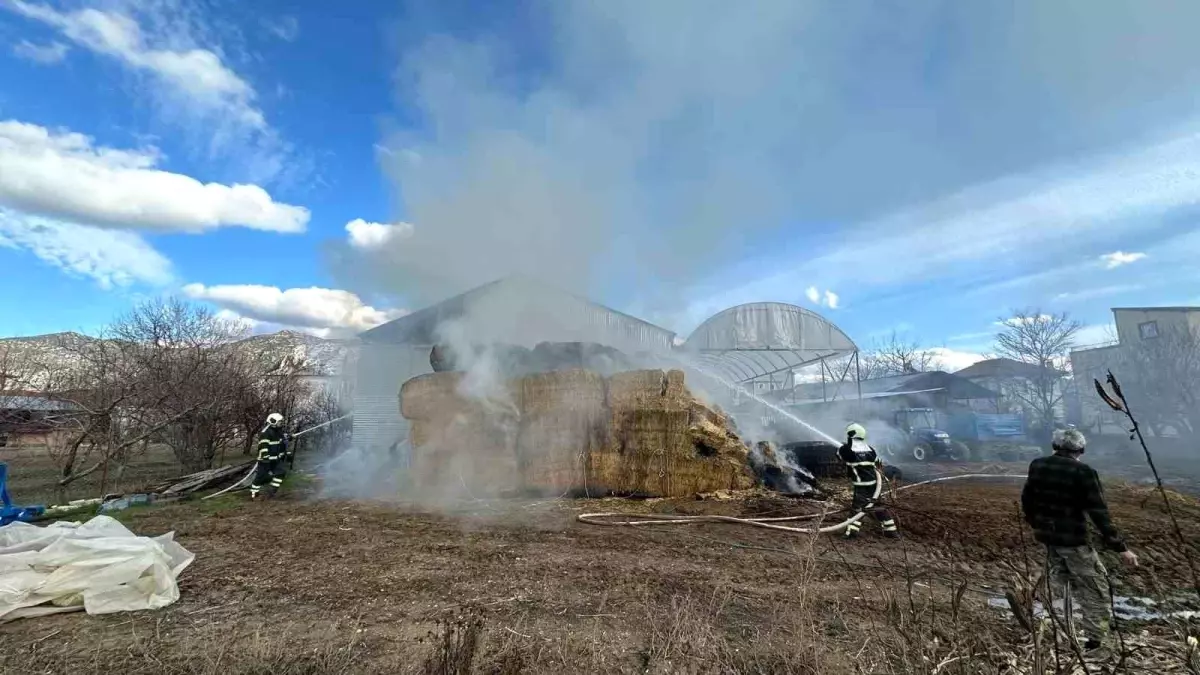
{"type": "Point", "coordinates": [26, 361]}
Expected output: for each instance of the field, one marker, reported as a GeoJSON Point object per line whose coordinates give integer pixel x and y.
{"type": "Point", "coordinates": [300, 585]}
{"type": "Point", "coordinates": [34, 477]}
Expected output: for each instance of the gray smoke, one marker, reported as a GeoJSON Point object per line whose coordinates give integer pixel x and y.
{"type": "Point", "coordinates": [632, 149]}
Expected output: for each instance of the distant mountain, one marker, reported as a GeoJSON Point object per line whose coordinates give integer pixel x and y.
{"type": "Point", "coordinates": [26, 362]}
{"type": "Point", "coordinates": [294, 352]}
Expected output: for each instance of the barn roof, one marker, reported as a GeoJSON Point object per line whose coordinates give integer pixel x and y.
{"type": "Point", "coordinates": [521, 311]}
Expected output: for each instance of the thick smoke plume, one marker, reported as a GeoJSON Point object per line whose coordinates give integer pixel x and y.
{"type": "Point", "coordinates": [633, 150]}
{"type": "Point", "coordinates": [641, 152]}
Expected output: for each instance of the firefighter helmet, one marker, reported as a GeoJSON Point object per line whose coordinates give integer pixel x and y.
{"type": "Point", "coordinates": [274, 419]}
{"type": "Point", "coordinates": [856, 430]}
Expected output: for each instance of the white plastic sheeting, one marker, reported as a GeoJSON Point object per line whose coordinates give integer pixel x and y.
{"type": "Point", "coordinates": [98, 566]}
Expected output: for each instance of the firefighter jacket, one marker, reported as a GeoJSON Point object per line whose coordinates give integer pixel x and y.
{"type": "Point", "coordinates": [271, 443]}
{"type": "Point", "coordinates": [861, 460]}
{"type": "Point", "coordinates": [1059, 497]}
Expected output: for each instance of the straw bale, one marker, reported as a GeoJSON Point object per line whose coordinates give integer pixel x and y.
{"type": "Point", "coordinates": [430, 396]}
{"type": "Point", "coordinates": [705, 433]}
{"type": "Point", "coordinates": [562, 390]}
{"type": "Point", "coordinates": [437, 396]}
{"type": "Point", "coordinates": [714, 415]}
{"type": "Point", "coordinates": [562, 423]}
{"type": "Point", "coordinates": [648, 389]}
{"type": "Point", "coordinates": [473, 452]}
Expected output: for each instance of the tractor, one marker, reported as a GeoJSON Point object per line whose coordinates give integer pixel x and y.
{"type": "Point", "coordinates": [915, 435]}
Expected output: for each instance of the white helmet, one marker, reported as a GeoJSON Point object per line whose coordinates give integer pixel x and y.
{"type": "Point", "coordinates": [856, 430]}
{"type": "Point", "coordinates": [274, 419]}
{"type": "Point", "coordinates": [1070, 440]}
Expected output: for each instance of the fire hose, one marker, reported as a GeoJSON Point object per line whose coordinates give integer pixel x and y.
{"type": "Point", "coordinates": [250, 474]}
{"type": "Point", "coordinates": [768, 523]}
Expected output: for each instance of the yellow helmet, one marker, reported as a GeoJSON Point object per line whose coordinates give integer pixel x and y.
{"type": "Point", "coordinates": [856, 430]}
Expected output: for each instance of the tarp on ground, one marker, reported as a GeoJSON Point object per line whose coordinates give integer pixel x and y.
{"type": "Point", "coordinates": [98, 566]}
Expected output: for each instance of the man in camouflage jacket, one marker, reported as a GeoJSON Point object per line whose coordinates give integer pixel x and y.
{"type": "Point", "coordinates": [1061, 494]}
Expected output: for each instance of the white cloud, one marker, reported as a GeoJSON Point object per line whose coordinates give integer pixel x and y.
{"type": "Point", "coordinates": [197, 74]}
{"type": "Point", "coordinates": [1045, 214]}
{"type": "Point", "coordinates": [111, 258]}
{"type": "Point", "coordinates": [968, 337]}
{"type": "Point", "coordinates": [317, 309]}
{"type": "Point", "coordinates": [47, 54]}
{"type": "Point", "coordinates": [951, 360]}
{"type": "Point", "coordinates": [286, 28]}
{"type": "Point", "coordinates": [1097, 334]}
{"type": "Point", "coordinates": [63, 174]}
{"type": "Point", "coordinates": [1118, 258]}
{"type": "Point", "coordinates": [829, 299]}
{"type": "Point", "coordinates": [367, 235]}
{"type": "Point", "coordinates": [1096, 292]}
{"type": "Point", "coordinates": [1017, 320]}
{"type": "Point", "coordinates": [192, 87]}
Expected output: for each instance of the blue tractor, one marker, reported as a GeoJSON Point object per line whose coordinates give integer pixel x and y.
{"type": "Point", "coordinates": [915, 435]}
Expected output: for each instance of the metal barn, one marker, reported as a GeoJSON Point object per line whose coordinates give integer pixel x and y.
{"type": "Point", "coordinates": [513, 310]}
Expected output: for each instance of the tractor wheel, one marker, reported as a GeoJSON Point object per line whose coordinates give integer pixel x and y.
{"type": "Point", "coordinates": [921, 452]}
{"type": "Point", "coordinates": [958, 451]}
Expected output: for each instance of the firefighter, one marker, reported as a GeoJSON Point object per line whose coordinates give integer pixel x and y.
{"type": "Point", "coordinates": [272, 447]}
{"type": "Point", "coordinates": [1060, 495]}
{"type": "Point", "coordinates": [864, 467]}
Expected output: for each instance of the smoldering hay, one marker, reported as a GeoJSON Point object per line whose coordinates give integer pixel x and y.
{"type": "Point", "coordinates": [638, 432]}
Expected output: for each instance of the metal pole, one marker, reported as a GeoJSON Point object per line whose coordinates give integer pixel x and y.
{"type": "Point", "coordinates": [824, 398]}
{"type": "Point", "coordinates": [858, 379]}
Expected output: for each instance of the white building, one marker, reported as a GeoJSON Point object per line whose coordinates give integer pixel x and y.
{"type": "Point", "coordinates": [1136, 328]}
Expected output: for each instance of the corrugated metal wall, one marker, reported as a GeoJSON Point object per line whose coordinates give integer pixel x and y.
{"type": "Point", "coordinates": [379, 372]}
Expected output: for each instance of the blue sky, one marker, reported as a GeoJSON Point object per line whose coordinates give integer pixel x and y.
{"type": "Point", "coordinates": [921, 167]}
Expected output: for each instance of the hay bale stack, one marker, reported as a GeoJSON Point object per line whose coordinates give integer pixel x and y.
{"type": "Point", "coordinates": [638, 432]}
{"type": "Point", "coordinates": [459, 444]}
{"type": "Point", "coordinates": [653, 449]}
{"type": "Point", "coordinates": [562, 423]}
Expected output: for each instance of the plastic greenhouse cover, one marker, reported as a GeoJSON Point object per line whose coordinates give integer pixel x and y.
{"type": "Point", "coordinates": [98, 566]}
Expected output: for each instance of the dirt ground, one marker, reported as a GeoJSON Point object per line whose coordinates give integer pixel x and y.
{"type": "Point", "coordinates": [299, 585]}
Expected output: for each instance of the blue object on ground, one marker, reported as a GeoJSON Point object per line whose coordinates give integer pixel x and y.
{"type": "Point", "coordinates": [10, 513]}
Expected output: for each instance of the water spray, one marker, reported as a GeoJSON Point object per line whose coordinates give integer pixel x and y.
{"type": "Point", "coordinates": [775, 408]}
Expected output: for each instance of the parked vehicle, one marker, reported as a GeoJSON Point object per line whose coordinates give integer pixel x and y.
{"type": "Point", "coordinates": [998, 435]}
{"type": "Point", "coordinates": [915, 435]}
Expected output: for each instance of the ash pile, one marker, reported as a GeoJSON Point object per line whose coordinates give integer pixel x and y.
{"type": "Point", "coordinates": [592, 428]}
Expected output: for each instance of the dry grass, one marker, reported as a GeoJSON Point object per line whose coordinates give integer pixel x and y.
{"type": "Point", "coordinates": [33, 475]}
{"type": "Point", "coordinates": [356, 588]}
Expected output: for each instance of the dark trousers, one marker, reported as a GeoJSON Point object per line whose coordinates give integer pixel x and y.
{"type": "Point", "coordinates": [268, 472]}
{"type": "Point", "coordinates": [863, 502]}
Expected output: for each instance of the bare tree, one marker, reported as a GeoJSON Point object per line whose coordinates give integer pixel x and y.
{"type": "Point", "coordinates": [1042, 343]}
{"type": "Point", "coordinates": [189, 373]}
{"type": "Point", "coordinates": [1161, 376]}
{"type": "Point", "coordinates": [24, 410]}
{"type": "Point", "coordinates": [896, 356]}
